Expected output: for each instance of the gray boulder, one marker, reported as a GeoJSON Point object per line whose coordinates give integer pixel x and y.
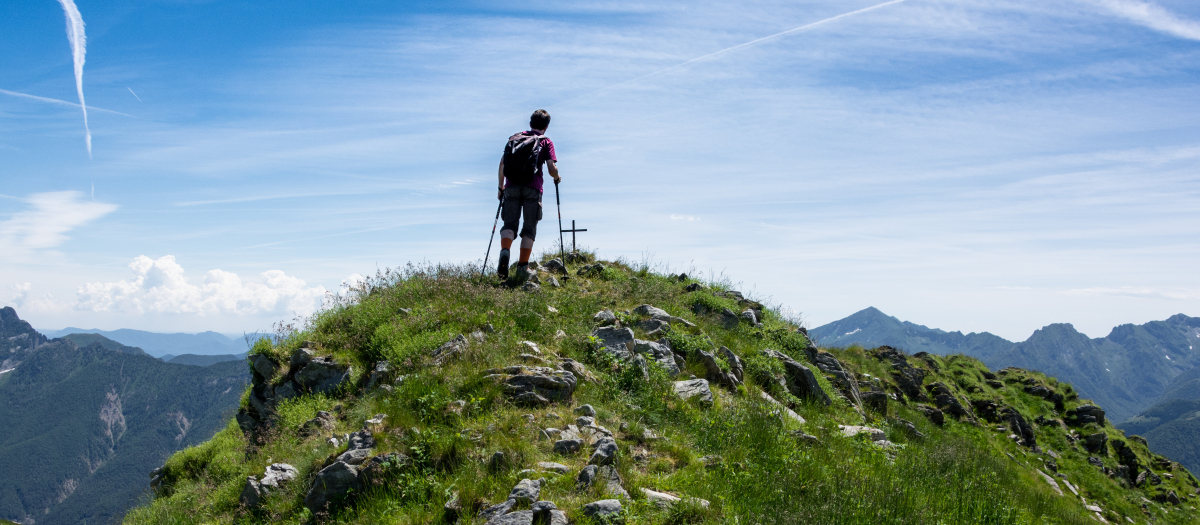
{"type": "Point", "coordinates": [658, 353]}
{"type": "Point", "coordinates": [577, 369]}
{"type": "Point", "coordinates": [300, 358]}
{"type": "Point", "coordinates": [534, 385]}
{"type": "Point", "coordinates": [585, 410]}
{"type": "Point", "coordinates": [449, 349]}
{"type": "Point", "coordinates": [604, 452]}
{"type": "Point", "coordinates": [1096, 443]}
{"type": "Point", "coordinates": [557, 468]}
{"type": "Point", "coordinates": [567, 447]}
{"type": "Point", "coordinates": [526, 491]}
{"type": "Point", "coordinates": [323, 375]}
{"type": "Point", "coordinates": [332, 483]}
{"type": "Point", "coordinates": [1085, 414]}
{"type": "Point", "coordinates": [842, 379]}
{"type": "Point", "coordinates": [605, 477]}
{"type": "Point", "coordinates": [697, 388]}
{"type": "Point", "coordinates": [715, 374]}
{"type": "Point", "coordinates": [378, 375]}
{"type": "Point", "coordinates": [324, 422]}
{"type": "Point", "coordinates": [263, 365]}
{"type": "Point", "coordinates": [287, 390]}
{"type": "Point", "coordinates": [615, 341]}
{"type": "Point", "coordinates": [602, 509]}
{"type": "Point", "coordinates": [801, 381]}
{"type": "Point", "coordinates": [498, 509]}
{"type": "Point", "coordinates": [276, 474]}
{"type": "Point", "coordinates": [729, 319]}
{"type": "Point", "coordinates": [555, 266]}
{"type": "Point", "coordinates": [521, 517]}
{"type": "Point", "coordinates": [605, 318]}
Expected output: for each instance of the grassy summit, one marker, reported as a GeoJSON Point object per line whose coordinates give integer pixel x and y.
{"type": "Point", "coordinates": [750, 459]}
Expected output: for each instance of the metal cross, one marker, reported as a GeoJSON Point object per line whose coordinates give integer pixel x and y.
{"type": "Point", "coordinates": [572, 232]}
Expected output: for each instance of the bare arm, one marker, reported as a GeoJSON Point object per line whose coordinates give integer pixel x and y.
{"type": "Point", "coordinates": [500, 186]}
{"type": "Point", "coordinates": [553, 166]}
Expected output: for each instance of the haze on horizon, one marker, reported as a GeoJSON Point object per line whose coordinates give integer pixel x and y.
{"type": "Point", "coordinates": [964, 165]}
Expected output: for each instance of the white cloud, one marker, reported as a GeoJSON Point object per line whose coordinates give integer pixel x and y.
{"type": "Point", "coordinates": [46, 225]}
{"type": "Point", "coordinates": [16, 294]}
{"type": "Point", "coordinates": [161, 286]}
{"type": "Point", "coordinates": [1154, 17]}
{"type": "Point", "coordinates": [689, 218]}
{"type": "Point", "coordinates": [1136, 292]}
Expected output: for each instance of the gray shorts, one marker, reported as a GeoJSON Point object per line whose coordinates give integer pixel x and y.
{"type": "Point", "coordinates": [522, 201]}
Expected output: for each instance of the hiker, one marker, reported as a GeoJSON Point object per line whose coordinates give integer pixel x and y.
{"type": "Point", "coordinates": [521, 187]}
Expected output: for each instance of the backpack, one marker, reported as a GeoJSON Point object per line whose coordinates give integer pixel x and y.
{"type": "Point", "coordinates": [521, 158]}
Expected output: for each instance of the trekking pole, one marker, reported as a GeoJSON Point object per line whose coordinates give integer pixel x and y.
{"type": "Point", "coordinates": [483, 270]}
{"type": "Point", "coordinates": [561, 245]}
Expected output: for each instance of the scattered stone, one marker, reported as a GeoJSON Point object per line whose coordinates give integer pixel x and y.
{"type": "Point", "coordinates": [323, 375]}
{"type": "Point", "coordinates": [1096, 443]}
{"type": "Point", "coordinates": [1085, 414]}
{"type": "Point", "coordinates": [697, 388]}
{"type": "Point", "coordinates": [377, 377]}
{"type": "Point", "coordinates": [910, 428]}
{"type": "Point", "coordinates": [498, 509]}
{"type": "Point", "coordinates": [449, 350]}
{"type": "Point", "coordinates": [661, 315]}
{"type": "Point", "coordinates": [577, 369]}
{"type": "Point", "coordinates": [602, 509]}
{"type": "Point", "coordinates": [526, 491]}
{"type": "Point", "coordinates": [532, 346]}
{"type": "Point", "coordinates": [876, 401]}
{"type": "Point", "coordinates": [568, 446]}
{"type": "Point", "coordinates": [907, 377]}
{"type": "Point", "coordinates": [605, 318]}
{"type": "Point", "coordinates": [658, 353]}
{"type": "Point", "coordinates": [694, 287]}
{"type": "Point", "coordinates": [332, 483]}
{"type": "Point", "coordinates": [615, 341]}
{"type": "Point", "coordinates": [935, 415]}
{"type": "Point", "coordinates": [452, 510]}
{"type": "Point", "coordinates": [780, 406]}
{"type": "Point", "coordinates": [585, 410]}
{"type": "Point", "coordinates": [1095, 461]}
{"type": "Point", "coordinates": [801, 381]}
{"type": "Point", "coordinates": [853, 430]}
{"type": "Point", "coordinates": [729, 319]}
{"type": "Point", "coordinates": [557, 468]}
{"type": "Point", "coordinates": [531, 286]}
{"type": "Point", "coordinates": [534, 386]}
{"type": "Point", "coordinates": [1050, 481]}
{"type": "Point", "coordinates": [748, 316]}
{"type": "Point", "coordinates": [555, 266]}
{"type": "Point", "coordinates": [604, 452]}
{"type": "Point", "coordinates": [275, 475]}
{"type": "Point", "coordinates": [324, 422]}
{"type": "Point", "coordinates": [606, 475]}
{"type": "Point", "coordinates": [663, 500]}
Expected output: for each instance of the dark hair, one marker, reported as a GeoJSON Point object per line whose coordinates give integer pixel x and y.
{"type": "Point", "coordinates": [539, 120]}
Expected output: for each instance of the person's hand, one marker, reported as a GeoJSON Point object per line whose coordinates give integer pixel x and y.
{"type": "Point", "coordinates": [557, 180]}
{"type": "Point", "coordinates": [500, 194]}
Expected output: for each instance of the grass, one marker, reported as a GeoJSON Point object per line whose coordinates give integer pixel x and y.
{"type": "Point", "coordinates": [960, 473]}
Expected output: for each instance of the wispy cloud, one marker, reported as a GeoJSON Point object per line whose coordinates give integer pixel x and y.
{"type": "Point", "coordinates": [46, 224]}
{"type": "Point", "coordinates": [1137, 292]}
{"type": "Point", "coordinates": [59, 102]}
{"type": "Point", "coordinates": [1154, 16]}
{"type": "Point", "coordinates": [78, 40]}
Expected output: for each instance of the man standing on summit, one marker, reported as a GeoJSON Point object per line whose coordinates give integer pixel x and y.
{"type": "Point", "coordinates": [521, 187]}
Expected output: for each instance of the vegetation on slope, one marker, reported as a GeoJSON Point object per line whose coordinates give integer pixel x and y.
{"type": "Point", "coordinates": [741, 453]}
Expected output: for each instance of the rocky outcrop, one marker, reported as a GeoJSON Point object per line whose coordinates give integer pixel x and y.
{"type": "Point", "coordinates": [837, 374]}
{"type": "Point", "coordinates": [800, 381]}
{"type": "Point", "coordinates": [732, 378]}
{"type": "Point", "coordinates": [307, 373]}
{"type": "Point", "coordinates": [534, 386]}
{"type": "Point", "coordinates": [695, 388]}
{"type": "Point", "coordinates": [605, 476]}
{"type": "Point", "coordinates": [1085, 414]}
{"type": "Point", "coordinates": [275, 475]}
{"type": "Point", "coordinates": [449, 350]}
{"type": "Point", "coordinates": [908, 378]}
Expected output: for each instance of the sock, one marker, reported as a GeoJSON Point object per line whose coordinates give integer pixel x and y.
{"type": "Point", "coordinates": [505, 243]}
{"type": "Point", "coordinates": [525, 256]}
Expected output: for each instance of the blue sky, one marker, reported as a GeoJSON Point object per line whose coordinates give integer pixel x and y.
{"type": "Point", "coordinates": [968, 165]}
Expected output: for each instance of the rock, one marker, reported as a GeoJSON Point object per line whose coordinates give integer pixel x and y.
{"type": "Point", "coordinates": [557, 468]}
{"type": "Point", "coordinates": [449, 350]}
{"type": "Point", "coordinates": [729, 319]}
{"type": "Point", "coordinates": [605, 317]}
{"type": "Point", "coordinates": [876, 401]}
{"type": "Point", "coordinates": [322, 423]}
{"type": "Point", "coordinates": [694, 287]}
{"type": "Point", "coordinates": [605, 508]}
{"type": "Point", "coordinates": [1038, 390]}
{"type": "Point", "coordinates": [378, 375]}
{"type": "Point", "coordinates": [1095, 461]}
{"type": "Point", "coordinates": [535, 386]}
{"type": "Point", "coordinates": [531, 286]}
{"type": "Point", "coordinates": [995, 384]}
{"type": "Point", "coordinates": [1085, 414]}
{"type": "Point", "coordinates": [750, 317]}
{"type": "Point", "coordinates": [375, 471]}
{"type": "Point", "coordinates": [910, 428]}
{"type": "Point", "coordinates": [246, 421]}
{"type": "Point", "coordinates": [568, 446]}
{"type": "Point", "coordinates": [615, 341]}
{"type": "Point", "coordinates": [907, 377]}
{"type": "Point", "coordinates": [452, 510]}
{"type": "Point", "coordinates": [853, 430]}
{"type": "Point", "coordinates": [1050, 481]}
{"type": "Point", "coordinates": [359, 448]}
{"type": "Point", "coordinates": [801, 382]}
{"type": "Point", "coordinates": [499, 509]}
{"type": "Point", "coordinates": [660, 499]}
{"type": "Point", "coordinates": [1096, 443]}
{"type": "Point", "coordinates": [652, 326]}
{"type": "Point", "coordinates": [697, 388]}
{"type": "Point", "coordinates": [263, 366]}
{"type": "Point", "coordinates": [287, 390]}
{"type": "Point", "coordinates": [252, 493]}
{"type": "Point", "coordinates": [577, 369]}
{"type": "Point", "coordinates": [659, 354]}
{"type": "Point", "coordinates": [934, 415]}
{"type": "Point", "coordinates": [532, 347]}
{"type": "Point", "coordinates": [1019, 426]}
{"type": "Point", "coordinates": [607, 476]}
{"type": "Point", "coordinates": [323, 375]}
{"type": "Point", "coordinates": [332, 483]}
{"type": "Point", "coordinates": [585, 410]}
{"type": "Point", "coordinates": [842, 379]}
{"type": "Point", "coordinates": [555, 266]}
{"type": "Point", "coordinates": [780, 407]}
{"type": "Point", "coordinates": [659, 314]}
{"type": "Point", "coordinates": [604, 452]}
{"type": "Point", "coordinates": [526, 491]}
{"type": "Point", "coordinates": [300, 358]}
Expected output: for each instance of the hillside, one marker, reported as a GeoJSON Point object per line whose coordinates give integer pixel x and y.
{"type": "Point", "coordinates": [204, 360]}
{"type": "Point", "coordinates": [1172, 425]}
{"type": "Point", "coordinates": [434, 395]}
{"type": "Point", "coordinates": [159, 345]}
{"type": "Point", "coordinates": [1126, 371]}
{"type": "Point", "coordinates": [85, 418]}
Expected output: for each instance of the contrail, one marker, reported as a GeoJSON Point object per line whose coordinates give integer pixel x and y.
{"type": "Point", "coordinates": [134, 94]}
{"type": "Point", "coordinates": [60, 102]}
{"type": "Point", "coordinates": [734, 48]}
{"type": "Point", "coordinates": [78, 49]}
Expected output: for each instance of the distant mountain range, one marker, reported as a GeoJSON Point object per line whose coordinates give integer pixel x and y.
{"type": "Point", "coordinates": [1144, 375]}
{"type": "Point", "coordinates": [1126, 371]}
{"type": "Point", "coordinates": [86, 418]}
{"type": "Point", "coordinates": [159, 345]}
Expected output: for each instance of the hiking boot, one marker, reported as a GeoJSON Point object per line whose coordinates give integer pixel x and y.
{"type": "Point", "coordinates": [502, 270]}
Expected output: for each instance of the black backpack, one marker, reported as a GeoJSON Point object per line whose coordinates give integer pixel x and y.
{"type": "Point", "coordinates": [521, 157]}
